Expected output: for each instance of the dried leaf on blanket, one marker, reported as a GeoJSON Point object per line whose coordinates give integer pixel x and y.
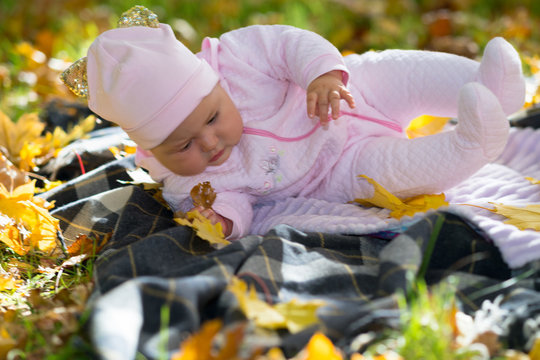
{"type": "Point", "coordinates": [384, 199]}
{"type": "Point", "coordinates": [523, 218]}
{"type": "Point", "coordinates": [293, 315]}
{"type": "Point", "coordinates": [533, 180]}
{"type": "Point", "coordinates": [213, 233]}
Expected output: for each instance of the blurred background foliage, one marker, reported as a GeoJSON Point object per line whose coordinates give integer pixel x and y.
{"type": "Point", "coordinates": [39, 38]}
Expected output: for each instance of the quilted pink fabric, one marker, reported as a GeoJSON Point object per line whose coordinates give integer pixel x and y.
{"type": "Point", "coordinates": [265, 70]}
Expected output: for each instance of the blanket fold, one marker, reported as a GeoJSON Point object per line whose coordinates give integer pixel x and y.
{"type": "Point", "coordinates": [151, 265]}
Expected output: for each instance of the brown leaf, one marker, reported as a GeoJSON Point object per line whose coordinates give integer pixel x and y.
{"type": "Point", "coordinates": [10, 176]}
{"type": "Point", "coordinates": [86, 245]}
{"type": "Point", "coordinates": [203, 195]}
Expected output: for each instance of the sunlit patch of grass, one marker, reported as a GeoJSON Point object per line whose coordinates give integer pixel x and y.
{"type": "Point", "coordinates": [42, 315]}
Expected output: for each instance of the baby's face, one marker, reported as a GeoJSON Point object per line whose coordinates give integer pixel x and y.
{"type": "Point", "coordinates": [205, 138]}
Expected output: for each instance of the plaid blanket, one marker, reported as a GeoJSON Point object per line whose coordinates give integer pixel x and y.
{"type": "Point", "coordinates": [151, 264]}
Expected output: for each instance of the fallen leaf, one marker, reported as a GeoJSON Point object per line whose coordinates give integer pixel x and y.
{"type": "Point", "coordinates": [84, 244]}
{"type": "Point", "coordinates": [293, 315]}
{"type": "Point", "coordinates": [384, 199]}
{"type": "Point", "coordinates": [426, 125]}
{"type": "Point", "coordinates": [27, 128]}
{"type": "Point", "coordinates": [198, 346]}
{"type": "Point", "coordinates": [321, 348]}
{"type": "Point", "coordinates": [533, 180]}
{"type": "Point", "coordinates": [535, 350]}
{"type": "Point", "coordinates": [213, 233]}
{"type": "Point", "coordinates": [523, 218]}
{"type": "Point", "coordinates": [25, 222]}
{"type": "Point", "coordinates": [8, 283]}
{"type": "Point", "coordinates": [10, 175]}
{"type": "Point", "coordinates": [203, 195]}
{"type": "Point", "coordinates": [6, 342]}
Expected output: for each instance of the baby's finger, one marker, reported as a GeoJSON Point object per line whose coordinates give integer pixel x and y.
{"type": "Point", "coordinates": [311, 104]}
{"type": "Point", "coordinates": [323, 110]}
{"type": "Point", "coordinates": [334, 97]}
{"type": "Point", "coordinates": [347, 96]}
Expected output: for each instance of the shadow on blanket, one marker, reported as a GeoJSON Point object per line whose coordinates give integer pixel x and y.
{"type": "Point", "coordinates": [150, 263]}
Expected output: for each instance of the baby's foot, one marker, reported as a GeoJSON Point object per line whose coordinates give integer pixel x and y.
{"type": "Point", "coordinates": [500, 70]}
{"type": "Point", "coordinates": [481, 121]}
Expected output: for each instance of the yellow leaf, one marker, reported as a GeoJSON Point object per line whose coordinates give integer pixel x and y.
{"type": "Point", "coordinates": [321, 348]}
{"type": "Point", "coordinates": [255, 309]}
{"type": "Point", "coordinates": [25, 222]}
{"type": "Point", "coordinates": [213, 233]}
{"type": "Point", "coordinates": [381, 198]}
{"type": "Point", "coordinates": [299, 314]}
{"type": "Point", "coordinates": [384, 199]}
{"type": "Point", "coordinates": [6, 342]}
{"type": "Point", "coordinates": [199, 345]}
{"type": "Point", "coordinates": [523, 218]}
{"type": "Point", "coordinates": [534, 354]}
{"type": "Point", "coordinates": [275, 353]}
{"type": "Point", "coordinates": [293, 315]}
{"type": "Point", "coordinates": [533, 180]}
{"type": "Point", "coordinates": [8, 283]}
{"type": "Point", "coordinates": [426, 125]}
{"type": "Point", "coordinates": [27, 155]}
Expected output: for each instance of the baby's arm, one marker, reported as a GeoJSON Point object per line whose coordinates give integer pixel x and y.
{"type": "Point", "coordinates": [284, 52]}
{"type": "Point", "coordinates": [325, 92]}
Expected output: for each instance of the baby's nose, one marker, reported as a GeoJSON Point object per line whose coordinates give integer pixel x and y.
{"type": "Point", "coordinates": [209, 141]}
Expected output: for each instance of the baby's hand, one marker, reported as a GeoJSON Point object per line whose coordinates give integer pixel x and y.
{"type": "Point", "coordinates": [324, 92]}
{"type": "Point", "coordinates": [214, 218]}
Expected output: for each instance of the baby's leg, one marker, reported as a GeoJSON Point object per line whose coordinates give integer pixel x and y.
{"type": "Point", "coordinates": [435, 163]}
{"type": "Point", "coordinates": [429, 164]}
{"type": "Point", "coordinates": [403, 84]}
{"type": "Point", "coordinates": [501, 72]}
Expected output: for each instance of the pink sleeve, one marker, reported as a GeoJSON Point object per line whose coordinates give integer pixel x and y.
{"type": "Point", "coordinates": [236, 207]}
{"type": "Point", "coordinates": [285, 52]}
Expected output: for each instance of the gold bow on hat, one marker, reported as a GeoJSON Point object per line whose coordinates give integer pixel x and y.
{"type": "Point", "coordinates": [75, 76]}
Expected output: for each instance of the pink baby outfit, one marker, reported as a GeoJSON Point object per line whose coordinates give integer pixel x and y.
{"type": "Point", "coordinates": [266, 69]}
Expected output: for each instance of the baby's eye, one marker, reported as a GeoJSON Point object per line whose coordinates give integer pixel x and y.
{"type": "Point", "coordinates": [213, 119]}
{"type": "Point", "coordinates": [186, 146]}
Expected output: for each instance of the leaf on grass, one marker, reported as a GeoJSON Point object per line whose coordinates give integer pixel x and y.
{"type": "Point", "coordinates": [10, 175]}
{"type": "Point", "coordinates": [293, 315]}
{"type": "Point", "coordinates": [14, 135]}
{"type": "Point", "coordinates": [6, 342]}
{"type": "Point", "coordinates": [213, 233]}
{"type": "Point", "coordinates": [8, 283]}
{"type": "Point", "coordinates": [25, 222]}
{"type": "Point", "coordinates": [84, 244]}
{"type": "Point", "coordinates": [523, 218]}
{"type": "Point", "coordinates": [384, 199]}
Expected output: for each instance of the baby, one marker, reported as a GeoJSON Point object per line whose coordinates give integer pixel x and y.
{"type": "Point", "coordinates": [245, 114]}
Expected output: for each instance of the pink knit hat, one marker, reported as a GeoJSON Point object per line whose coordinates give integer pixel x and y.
{"type": "Point", "coordinates": [146, 81]}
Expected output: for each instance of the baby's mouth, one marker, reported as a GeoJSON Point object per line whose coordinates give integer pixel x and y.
{"type": "Point", "coordinates": [217, 156]}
